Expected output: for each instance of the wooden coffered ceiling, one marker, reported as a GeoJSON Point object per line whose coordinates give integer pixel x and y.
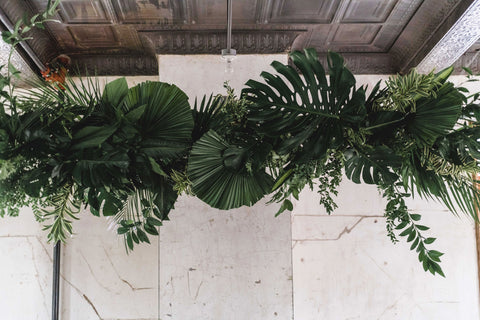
{"type": "Point", "coordinates": [122, 37]}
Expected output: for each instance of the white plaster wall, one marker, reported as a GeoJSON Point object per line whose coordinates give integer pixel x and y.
{"type": "Point", "coordinates": [216, 264]}
{"type": "Point", "coordinates": [345, 267]}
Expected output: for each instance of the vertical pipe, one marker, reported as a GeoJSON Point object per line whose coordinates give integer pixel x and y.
{"type": "Point", "coordinates": [56, 281]}
{"type": "Point", "coordinates": [229, 25]}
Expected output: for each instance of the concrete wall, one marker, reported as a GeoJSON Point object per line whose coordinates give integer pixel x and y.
{"type": "Point", "coordinates": [243, 264]}
{"type": "Point", "coordinates": [233, 264]}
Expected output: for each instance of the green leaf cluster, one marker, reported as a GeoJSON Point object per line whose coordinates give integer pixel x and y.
{"type": "Point", "coordinates": [128, 153]}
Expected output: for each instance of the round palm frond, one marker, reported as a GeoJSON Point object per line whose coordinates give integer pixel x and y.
{"type": "Point", "coordinates": [436, 115]}
{"type": "Point", "coordinates": [163, 117]}
{"type": "Point", "coordinates": [219, 175]}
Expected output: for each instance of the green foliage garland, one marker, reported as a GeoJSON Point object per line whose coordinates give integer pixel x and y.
{"type": "Point", "coordinates": [128, 152]}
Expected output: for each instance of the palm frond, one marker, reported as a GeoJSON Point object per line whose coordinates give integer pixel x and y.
{"type": "Point", "coordinates": [142, 212]}
{"type": "Point", "coordinates": [404, 91]}
{"type": "Point", "coordinates": [166, 123]}
{"type": "Point", "coordinates": [435, 116]}
{"type": "Point", "coordinates": [457, 191]}
{"type": "Point", "coordinates": [81, 92]}
{"type": "Point", "coordinates": [206, 115]}
{"type": "Point", "coordinates": [220, 176]}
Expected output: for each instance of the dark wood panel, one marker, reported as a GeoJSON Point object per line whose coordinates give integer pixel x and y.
{"type": "Point", "coordinates": [98, 36]}
{"type": "Point", "coordinates": [210, 12]}
{"type": "Point", "coordinates": [357, 34]}
{"type": "Point", "coordinates": [149, 11]}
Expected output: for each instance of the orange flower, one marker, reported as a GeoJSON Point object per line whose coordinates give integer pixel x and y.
{"type": "Point", "coordinates": [56, 70]}
{"type": "Point", "coordinates": [55, 76]}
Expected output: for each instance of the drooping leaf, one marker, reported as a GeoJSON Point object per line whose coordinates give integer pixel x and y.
{"type": "Point", "coordinates": [115, 91]}
{"type": "Point", "coordinates": [92, 136]}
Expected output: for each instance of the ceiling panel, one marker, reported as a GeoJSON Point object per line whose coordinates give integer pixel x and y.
{"type": "Point", "coordinates": [146, 11]}
{"type": "Point", "coordinates": [80, 11]}
{"type": "Point", "coordinates": [368, 11]}
{"type": "Point", "coordinates": [374, 35]}
{"type": "Point", "coordinates": [304, 11]}
{"type": "Point", "coordinates": [347, 34]}
{"type": "Point", "coordinates": [99, 36]}
{"type": "Point", "coordinates": [213, 12]}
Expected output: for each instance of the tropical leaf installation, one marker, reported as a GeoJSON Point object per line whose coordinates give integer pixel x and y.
{"type": "Point", "coordinates": [129, 152]}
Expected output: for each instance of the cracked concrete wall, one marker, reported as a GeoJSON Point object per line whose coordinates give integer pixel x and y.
{"type": "Point", "coordinates": [216, 264]}
{"type": "Point", "coordinates": [345, 266]}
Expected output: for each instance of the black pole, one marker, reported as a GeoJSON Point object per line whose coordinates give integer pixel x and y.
{"type": "Point", "coordinates": [56, 281]}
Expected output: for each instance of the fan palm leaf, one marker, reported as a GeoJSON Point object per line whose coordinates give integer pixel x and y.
{"type": "Point", "coordinates": [206, 115]}
{"type": "Point", "coordinates": [166, 122]}
{"type": "Point", "coordinates": [219, 177]}
{"type": "Point", "coordinates": [435, 115]}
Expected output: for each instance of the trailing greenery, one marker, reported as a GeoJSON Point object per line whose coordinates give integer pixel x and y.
{"type": "Point", "coordinates": [129, 152]}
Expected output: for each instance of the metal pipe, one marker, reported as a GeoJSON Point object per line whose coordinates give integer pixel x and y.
{"type": "Point", "coordinates": [56, 281]}
{"type": "Point", "coordinates": [229, 25]}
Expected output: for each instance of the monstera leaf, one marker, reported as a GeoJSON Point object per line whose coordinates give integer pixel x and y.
{"type": "Point", "coordinates": [165, 120]}
{"type": "Point", "coordinates": [219, 175]}
{"type": "Point", "coordinates": [297, 104]}
{"type": "Point", "coordinates": [372, 167]}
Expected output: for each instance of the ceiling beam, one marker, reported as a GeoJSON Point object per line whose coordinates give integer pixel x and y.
{"type": "Point", "coordinates": [461, 36]}
{"type": "Point", "coordinates": [32, 56]}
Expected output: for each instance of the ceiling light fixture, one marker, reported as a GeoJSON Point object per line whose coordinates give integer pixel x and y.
{"type": "Point", "coordinates": [229, 54]}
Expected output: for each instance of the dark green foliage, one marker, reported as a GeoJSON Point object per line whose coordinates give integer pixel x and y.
{"type": "Point", "coordinates": [412, 134]}
{"type": "Point", "coordinates": [406, 223]}
{"type": "Point", "coordinates": [220, 175]}
{"type": "Point", "coordinates": [128, 139]}
{"type": "Point", "coordinates": [306, 116]}
{"type": "Point", "coordinates": [128, 152]}
{"type": "Point", "coordinates": [373, 166]}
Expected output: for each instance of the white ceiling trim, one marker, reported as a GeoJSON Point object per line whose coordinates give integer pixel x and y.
{"type": "Point", "coordinates": [464, 33]}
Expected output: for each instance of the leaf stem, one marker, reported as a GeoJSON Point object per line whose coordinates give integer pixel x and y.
{"type": "Point", "coordinates": [385, 124]}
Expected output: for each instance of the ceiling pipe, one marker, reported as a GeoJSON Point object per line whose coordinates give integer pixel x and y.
{"type": "Point", "coordinates": [229, 25]}
{"type": "Point", "coordinates": [26, 48]}
{"type": "Point", "coordinates": [229, 54]}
